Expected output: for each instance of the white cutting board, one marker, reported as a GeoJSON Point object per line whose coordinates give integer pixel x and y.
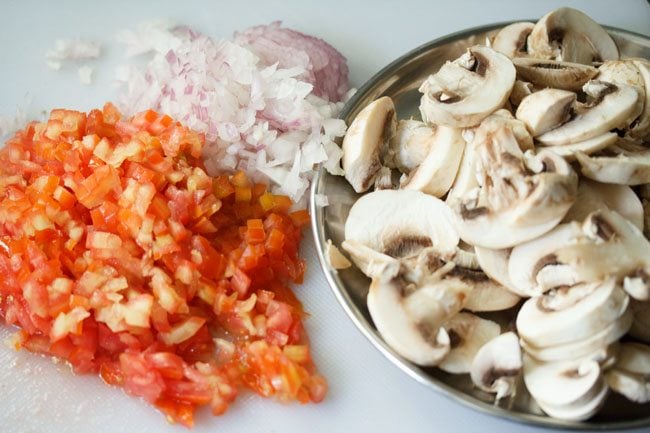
{"type": "Point", "coordinates": [367, 393]}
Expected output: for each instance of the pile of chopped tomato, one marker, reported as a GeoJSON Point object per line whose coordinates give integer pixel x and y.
{"type": "Point", "coordinates": [122, 256]}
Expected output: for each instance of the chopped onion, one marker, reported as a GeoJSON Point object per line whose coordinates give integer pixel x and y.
{"type": "Point", "coordinates": [259, 111]}
{"type": "Point", "coordinates": [85, 74]}
{"type": "Point", "coordinates": [73, 49]}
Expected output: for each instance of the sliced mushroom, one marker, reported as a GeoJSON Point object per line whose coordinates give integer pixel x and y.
{"type": "Point", "coordinates": [631, 373]}
{"type": "Point", "coordinates": [495, 265]}
{"type": "Point", "coordinates": [587, 147]}
{"type": "Point", "coordinates": [366, 140]}
{"type": "Point", "coordinates": [609, 107]}
{"type": "Point", "coordinates": [528, 262]}
{"type": "Point", "coordinates": [465, 180]}
{"type": "Point", "coordinates": [487, 294]}
{"type": "Point", "coordinates": [640, 130]}
{"type": "Point", "coordinates": [520, 90]}
{"type": "Point", "coordinates": [569, 35]}
{"type": "Point", "coordinates": [497, 365]}
{"type": "Point", "coordinates": [464, 92]}
{"type": "Point", "coordinates": [438, 170]}
{"type": "Point", "coordinates": [626, 73]}
{"type": "Point", "coordinates": [594, 196]}
{"type": "Point", "coordinates": [641, 324]}
{"type": "Point", "coordinates": [610, 246]}
{"type": "Point", "coordinates": [572, 390]}
{"type": "Point", "coordinates": [511, 40]}
{"type": "Point", "coordinates": [623, 163]}
{"type": "Point", "coordinates": [384, 179]}
{"type": "Point", "coordinates": [523, 196]}
{"type": "Point", "coordinates": [553, 74]}
{"type": "Point", "coordinates": [545, 110]}
{"type": "Point", "coordinates": [599, 340]}
{"type": "Point", "coordinates": [410, 318]}
{"type": "Point", "coordinates": [585, 309]}
{"type": "Point", "coordinates": [335, 259]}
{"type": "Point", "coordinates": [372, 263]}
{"type": "Point", "coordinates": [467, 334]}
{"type": "Point", "coordinates": [410, 145]}
{"type": "Point", "coordinates": [400, 223]}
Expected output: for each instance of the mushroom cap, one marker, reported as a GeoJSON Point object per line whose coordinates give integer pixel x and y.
{"type": "Point", "coordinates": [511, 40]}
{"type": "Point", "coordinates": [545, 110]}
{"type": "Point", "coordinates": [586, 147]}
{"type": "Point", "coordinates": [554, 74]}
{"type": "Point", "coordinates": [497, 364]}
{"type": "Point", "coordinates": [569, 35]}
{"type": "Point", "coordinates": [630, 375]}
{"type": "Point", "coordinates": [438, 170]}
{"type": "Point", "coordinates": [400, 223]}
{"type": "Point", "coordinates": [611, 106]}
{"type": "Point", "coordinates": [410, 145]}
{"type": "Point", "coordinates": [365, 141]}
{"type": "Point", "coordinates": [599, 340]}
{"type": "Point", "coordinates": [584, 309]}
{"type": "Point", "coordinates": [464, 92]}
{"type": "Point", "coordinates": [467, 334]}
{"type": "Point", "coordinates": [594, 196]}
{"type": "Point", "coordinates": [623, 163]}
{"type": "Point", "coordinates": [409, 318]}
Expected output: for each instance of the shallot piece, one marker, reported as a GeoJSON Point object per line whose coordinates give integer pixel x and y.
{"type": "Point", "coordinates": [324, 66]}
{"type": "Point", "coordinates": [259, 113]}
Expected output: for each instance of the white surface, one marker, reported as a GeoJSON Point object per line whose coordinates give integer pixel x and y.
{"type": "Point", "coordinates": [367, 393]}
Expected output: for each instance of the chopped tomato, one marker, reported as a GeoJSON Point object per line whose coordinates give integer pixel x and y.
{"type": "Point", "coordinates": [123, 257]}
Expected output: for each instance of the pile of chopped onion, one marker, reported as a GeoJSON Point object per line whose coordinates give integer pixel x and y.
{"type": "Point", "coordinates": [255, 98]}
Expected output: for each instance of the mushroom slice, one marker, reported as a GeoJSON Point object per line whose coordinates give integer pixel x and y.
{"type": "Point", "coordinates": [365, 141]}
{"type": "Point", "coordinates": [552, 74]}
{"type": "Point", "coordinates": [467, 334]}
{"type": "Point", "coordinates": [623, 163]}
{"type": "Point", "coordinates": [640, 129]}
{"type": "Point", "coordinates": [486, 295]}
{"type": "Point", "coordinates": [599, 340]}
{"type": "Point", "coordinates": [410, 145]}
{"type": "Point", "coordinates": [495, 265]}
{"type": "Point", "coordinates": [584, 309]}
{"type": "Point", "coordinates": [572, 390]}
{"type": "Point", "coordinates": [626, 73]}
{"type": "Point", "coordinates": [569, 35]}
{"type": "Point", "coordinates": [465, 180]}
{"type": "Point", "coordinates": [464, 92]}
{"type": "Point", "coordinates": [400, 223]}
{"type": "Point", "coordinates": [610, 246]}
{"type": "Point", "coordinates": [409, 318]}
{"type": "Point", "coordinates": [523, 196]}
{"type": "Point", "coordinates": [631, 373]}
{"type": "Point", "coordinates": [545, 110]}
{"type": "Point", "coordinates": [437, 172]}
{"type": "Point", "coordinates": [528, 261]}
{"type": "Point", "coordinates": [641, 324]}
{"type": "Point", "coordinates": [334, 258]}
{"type": "Point", "coordinates": [594, 196]}
{"type": "Point", "coordinates": [609, 106]}
{"type": "Point", "coordinates": [511, 40]}
{"type": "Point", "coordinates": [587, 147]}
{"type": "Point", "coordinates": [372, 263]}
{"type": "Point", "coordinates": [520, 90]}
{"type": "Point", "coordinates": [497, 365]}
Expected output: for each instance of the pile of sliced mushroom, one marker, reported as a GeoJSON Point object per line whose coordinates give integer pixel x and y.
{"type": "Point", "coordinates": [524, 187]}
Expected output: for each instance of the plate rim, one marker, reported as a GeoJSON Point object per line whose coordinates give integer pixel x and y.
{"type": "Point", "coordinates": [368, 330]}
